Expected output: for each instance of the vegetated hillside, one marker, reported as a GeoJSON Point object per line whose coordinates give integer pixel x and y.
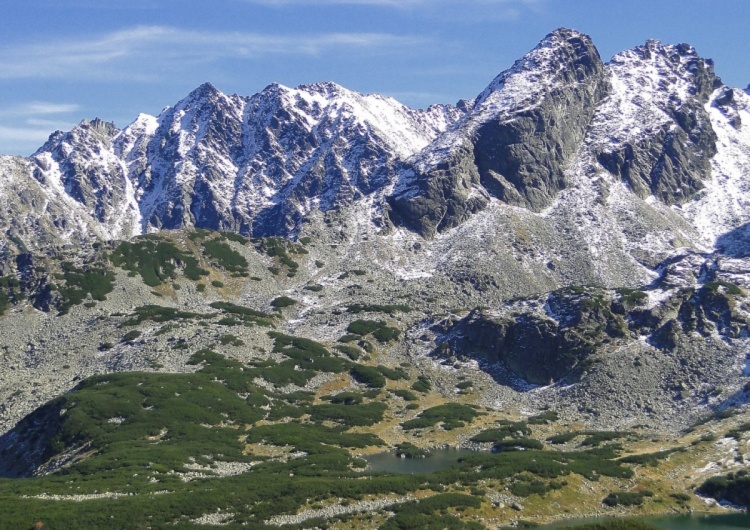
{"type": "Point", "coordinates": [558, 266]}
{"type": "Point", "coordinates": [662, 355]}
{"type": "Point", "coordinates": [226, 364]}
{"type": "Point", "coordinates": [278, 441]}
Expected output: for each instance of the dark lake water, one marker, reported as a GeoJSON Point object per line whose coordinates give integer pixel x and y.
{"type": "Point", "coordinates": [680, 522]}
{"type": "Point", "coordinates": [715, 522]}
{"type": "Point", "coordinates": [442, 458]}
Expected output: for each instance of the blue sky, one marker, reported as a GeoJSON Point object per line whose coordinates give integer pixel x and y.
{"type": "Point", "coordinates": [61, 62]}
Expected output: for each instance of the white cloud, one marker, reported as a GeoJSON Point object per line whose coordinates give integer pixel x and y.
{"type": "Point", "coordinates": [454, 10]}
{"type": "Point", "coordinates": [142, 52]}
{"type": "Point", "coordinates": [25, 135]}
{"type": "Point", "coordinates": [39, 108]}
{"type": "Point", "coordinates": [27, 125]}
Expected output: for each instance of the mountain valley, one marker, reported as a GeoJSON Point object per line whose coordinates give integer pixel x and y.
{"type": "Point", "coordinates": [213, 316]}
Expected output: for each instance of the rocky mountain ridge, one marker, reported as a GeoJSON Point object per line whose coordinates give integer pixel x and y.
{"type": "Point", "coordinates": [655, 121]}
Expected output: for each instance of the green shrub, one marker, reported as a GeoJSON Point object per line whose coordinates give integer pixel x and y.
{"type": "Point", "coordinates": [223, 255]}
{"type": "Point", "coordinates": [349, 414]}
{"type": "Point", "coordinates": [406, 395]}
{"type": "Point", "coordinates": [431, 513]}
{"type": "Point", "coordinates": [231, 339]}
{"type": "Point", "coordinates": [234, 309]}
{"type": "Point", "coordinates": [368, 376]}
{"type": "Point", "coordinates": [596, 438]}
{"type": "Point", "coordinates": [563, 438]}
{"type": "Point", "coordinates": [734, 487]}
{"type": "Point", "coordinates": [155, 260]}
{"type": "Point", "coordinates": [378, 308]}
{"type": "Point", "coordinates": [543, 418]}
{"type": "Point", "coordinates": [95, 281]}
{"type": "Point", "coordinates": [730, 287]}
{"type": "Point", "coordinates": [738, 431]}
{"type": "Point", "coordinates": [524, 488]}
{"type": "Point", "coordinates": [680, 497]}
{"type": "Point", "coordinates": [156, 313]}
{"type": "Point", "coordinates": [378, 328]}
{"type": "Point", "coordinates": [451, 415]}
{"type": "Point", "coordinates": [10, 292]}
{"type": "Point", "coordinates": [497, 435]}
{"type": "Point", "coordinates": [396, 374]}
{"type": "Point", "coordinates": [631, 296]}
{"type": "Point", "coordinates": [351, 351]}
{"type": "Point", "coordinates": [386, 334]}
{"type": "Point", "coordinates": [281, 250]}
{"type": "Point", "coordinates": [422, 384]}
{"type": "Point", "coordinates": [364, 327]}
{"type": "Point", "coordinates": [244, 315]}
{"type": "Point", "coordinates": [237, 238]}
{"type": "Point", "coordinates": [409, 450]}
{"type": "Point", "coordinates": [345, 398]}
{"type": "Point", "coordinates": [282, 302]}
{"type": "Point", "coordinates": [647, 459]}
{"type": "Point", "coordinates": [518, 444]}
{"type": "Point", "coordinates": [624, 498]}
{"type": "Point", "coordinates": [131, 336]}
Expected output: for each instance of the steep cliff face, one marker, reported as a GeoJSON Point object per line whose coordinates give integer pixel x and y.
{"type": "Point", "coordinates": [543, 343]}
{"type": "Point", "coordinates": [515, 142]}
{"type": "Point", "coordinates": [662, 142]}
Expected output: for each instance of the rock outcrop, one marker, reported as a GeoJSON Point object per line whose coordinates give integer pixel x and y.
{"type": "Point", "coordinates": [516, 141]}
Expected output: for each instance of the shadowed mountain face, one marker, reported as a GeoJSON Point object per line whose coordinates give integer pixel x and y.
{"type": "Point", "coordinates": [515, 143]}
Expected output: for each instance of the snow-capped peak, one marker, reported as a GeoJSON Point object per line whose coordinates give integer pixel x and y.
{"type": "Point", "coordinates": [563, 58]}
{"type": "Point", "coordinates": [538, 70]}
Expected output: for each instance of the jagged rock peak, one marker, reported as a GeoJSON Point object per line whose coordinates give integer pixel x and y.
{"type": "Point", "coordinates": [513, 144]}
{"type": "Point", "coordinates": [654, 131]}
{"type": "Point", "coordinates": [677, 63]}
{"type": "Point", "coordinates": [325, 88]}
{"type": "Point", "coordinates": [561, 52]}
{"type": "Point", "coordinates": [206, 90]}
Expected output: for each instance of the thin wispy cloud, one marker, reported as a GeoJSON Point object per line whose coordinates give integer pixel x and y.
{"type": "Point", "coordinates": [32, 136]}
{"type": "Point", "coordinates": [455, 10]}
{"type": "Point", "coordinates": [39, 108]}
{"type": "Point", "coordinates": [27, 125]}
{"type": "Point", "coordinates": [142, 52]}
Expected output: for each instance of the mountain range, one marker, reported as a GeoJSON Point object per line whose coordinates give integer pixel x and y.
{"type": "Point", "coordinates": [558, 134]}
{"type": "Point", "coordinates": [572, 243]}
